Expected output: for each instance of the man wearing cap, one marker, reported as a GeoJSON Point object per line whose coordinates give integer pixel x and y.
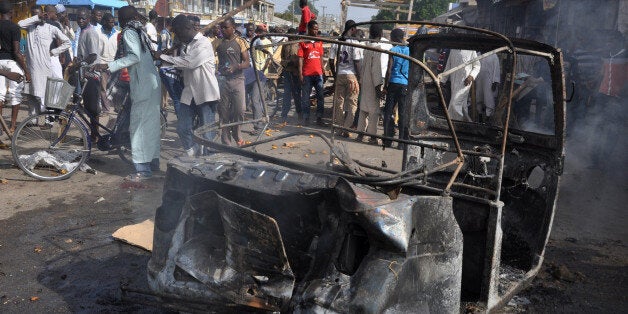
{"type": "Point", "coordinates": [41, 36]}
{"type": "Point", "coordinates": [62, 18]}
{"type": "Point", "coordinates": [58, 62]}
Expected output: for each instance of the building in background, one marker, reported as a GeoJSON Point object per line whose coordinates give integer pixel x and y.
{"type": "Point", "coordinates": [208, 10]}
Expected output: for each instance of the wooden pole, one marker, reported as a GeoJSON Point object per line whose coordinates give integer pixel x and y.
{"type": "Point", "coordinates": [230, 14]}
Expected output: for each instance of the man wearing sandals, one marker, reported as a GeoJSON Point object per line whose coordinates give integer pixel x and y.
{"type": "Point", "coordinates": [145, 93]}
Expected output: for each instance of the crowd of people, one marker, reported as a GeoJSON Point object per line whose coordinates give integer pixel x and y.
{"type": "Point", "coordinates": [210, 71]}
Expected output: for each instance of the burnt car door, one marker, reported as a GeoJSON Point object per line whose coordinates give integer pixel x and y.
{"type": "Point", "coordinates": [505, 194]}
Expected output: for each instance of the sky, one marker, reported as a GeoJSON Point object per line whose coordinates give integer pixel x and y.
{"type": "Point", "coordinates": [331, 7]}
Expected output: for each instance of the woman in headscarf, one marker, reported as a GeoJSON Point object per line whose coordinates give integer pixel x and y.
{"type": "Point", "coordinates": [145, 92]}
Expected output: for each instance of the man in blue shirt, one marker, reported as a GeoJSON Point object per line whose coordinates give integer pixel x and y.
{"type": "Point", "coordinates": [396, 88]}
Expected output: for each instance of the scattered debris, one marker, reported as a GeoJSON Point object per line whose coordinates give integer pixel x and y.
{"type": "Point", "coordinates": [295, 144]}
{"type": "Point", "coordinates": [563, 273]}
{"type": "Point", "coordinates": [518, 301]}
{"type": "Point", "coordinates": [100, 199]}
{"type": "Point", "coordinates": [38, 249]}
{"type": "Point", "coordinates": [4, 181]}
{"type": "Point", "coordinates": [34, 298]}
{"type": "Point", "coordinates": [140, 235]}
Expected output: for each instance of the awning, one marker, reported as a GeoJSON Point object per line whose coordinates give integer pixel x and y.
{"type": "Point", "coordinates": [91, 3]}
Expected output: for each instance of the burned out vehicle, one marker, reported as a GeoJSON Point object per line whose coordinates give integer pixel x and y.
{"type": "Point", "coordinates": [464, 220]}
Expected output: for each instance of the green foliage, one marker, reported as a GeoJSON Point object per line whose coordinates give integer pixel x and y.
{"type": "Point", "coordinates": [286, 15]}
{"type": "Point", "coordinates": [429, 9]}
{"type": "Point", "coordinates": [422, 10]}
{"type": "Point", "coordinates": [384, 15]}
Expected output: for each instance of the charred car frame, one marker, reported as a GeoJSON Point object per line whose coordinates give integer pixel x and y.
{"type": "Point", "coordinates": [465, 221]}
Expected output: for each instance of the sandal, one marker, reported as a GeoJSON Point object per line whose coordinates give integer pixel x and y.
{"type": "Point", "coordinates": [137, 177]}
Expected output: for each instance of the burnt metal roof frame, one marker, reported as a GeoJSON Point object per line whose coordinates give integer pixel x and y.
{"type": "Point", "coordinates": [442, 99]}
{"type": "Point", "coordinates": [373, 180]}
{"type": "Point", "coordinates": [300, 38]}
{"type": "Point", "coordinates": [347, 161]}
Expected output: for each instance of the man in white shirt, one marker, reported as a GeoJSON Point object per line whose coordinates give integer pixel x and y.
{"type": "Point", "coordinates": [347, 78]}
{"type": "Point", "coordinates": [486, 84]}
{"type": "Point", "coordinates": [89, 49]}
{"type": "Point", "coordinates": [151, 30]}
{"type": "Point", "coordinates": [200, 90]}
{"type": "Point", "coordinates": [109, 35]}
{"type": "Point", "coordinates": [461, 82]}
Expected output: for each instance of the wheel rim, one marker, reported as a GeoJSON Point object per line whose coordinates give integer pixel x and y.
{"type": "Point", "coordinates": [39, 152]}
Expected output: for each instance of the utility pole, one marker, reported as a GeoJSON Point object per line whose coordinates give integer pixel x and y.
{"type": "Point", "coordinates": [344, 6]}
{"type": "Point", "coordinates": [292, 22]}
{"type": "Point", "coordinates": [324, 21]}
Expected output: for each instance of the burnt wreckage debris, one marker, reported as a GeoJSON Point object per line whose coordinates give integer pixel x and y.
{"type": "Point", "coordinates": [240, 231]}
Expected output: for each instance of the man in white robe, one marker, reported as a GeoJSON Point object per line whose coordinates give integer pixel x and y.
{"type": "Point", "coordinates": [40, 36]}
{"type": "Point", "coordinates": [461, 82]}
{"type": "Point", "coordinates": [145, 93]}
{"type": "Point", "coordinates": [374, 66]}
{"type": "Point", "coordinates": [486, 84]}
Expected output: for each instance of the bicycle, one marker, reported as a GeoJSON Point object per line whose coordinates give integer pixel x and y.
{"type": "Point", "coordinates": [59, 142]}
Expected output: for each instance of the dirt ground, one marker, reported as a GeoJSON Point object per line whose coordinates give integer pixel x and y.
{"type": "Point", "coordinates": [57, 253]}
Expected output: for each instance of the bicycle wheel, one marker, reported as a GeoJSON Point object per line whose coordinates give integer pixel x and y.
{"type": "Point", "coordinates": [124, 151]}
{"type": "Point", "coordinates": [163, 123]}
{"type": "Point", "coordinates": [53, 148]}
